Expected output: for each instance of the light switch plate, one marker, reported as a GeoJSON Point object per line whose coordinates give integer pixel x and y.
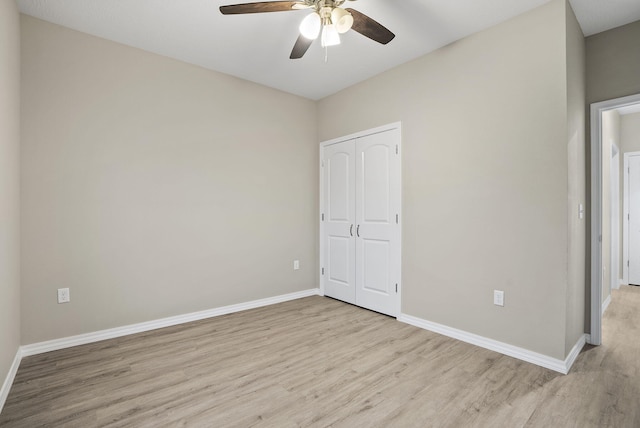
{"type": "Point", "coordinates": [498, 297]}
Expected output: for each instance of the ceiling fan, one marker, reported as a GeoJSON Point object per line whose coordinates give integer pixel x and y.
{"type": "Point", "coordinates": [327, 20]}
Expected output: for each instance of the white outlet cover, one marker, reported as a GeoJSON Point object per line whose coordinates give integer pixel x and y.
{"type": "Point", "coordinates": [63, 295]}
{"type": "Point", "coordinates": [296, 264]}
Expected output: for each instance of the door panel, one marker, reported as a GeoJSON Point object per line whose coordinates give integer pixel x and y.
{"type": "Point", "coordinates": [377, 241]}
{"type": "Point", "coordinates": [376, 275]}
{"type": "Point", "coordinates": [375, 184]}
{"type": "Point", "coordinates": [339, 260]}
{"type": "Point", "coordinates": [339, 170]}
{"type": "Point", "coordinates": [339, 203]}
{"type": "Point", "coordinates": [634, 220]}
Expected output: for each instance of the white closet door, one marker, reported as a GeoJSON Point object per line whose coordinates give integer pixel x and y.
{"type": "Point", "coordinates": [634, 220]}
{"type": "Point", "coordinates": [339, 224]}
{"type": "Point", "coordinates": [377, 230]}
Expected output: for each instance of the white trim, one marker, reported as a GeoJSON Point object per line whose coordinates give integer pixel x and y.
{"type": "Point", "coordinates": [606, 303]}
{"type": "Point", "coordinates": [8, 381]}
{"type": "Point", "coordinates": [400, 221]}
{"type": "Point", "coordinates": [632, 109]}
{"type": "Point", "coordinates": [82, 339]}
{"type": "Point", "coordinates": [575, 351]}
{"type": "Point", "coordinates": [321, 220]}
{"type": "Point", "coordinates": [562, 366]}
{"type": "Point", "coordinates": [614, 217]}
{"type": "Point", "coordinates": [596, 209]}
{"type": "Point", "coordinates": [596, 225]}
{"type": "Point", "coordinates": [360, 134]}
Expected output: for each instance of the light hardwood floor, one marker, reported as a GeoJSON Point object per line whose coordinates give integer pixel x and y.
{"type": "Point", "coordinates": [316, 362]}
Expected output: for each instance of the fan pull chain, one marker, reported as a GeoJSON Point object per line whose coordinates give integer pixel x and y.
{"type": "Point", "coordinates": [326, 54]}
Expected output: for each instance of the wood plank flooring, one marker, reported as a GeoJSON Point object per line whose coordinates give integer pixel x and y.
{"type": "Point", "coordinates": [316, 362]}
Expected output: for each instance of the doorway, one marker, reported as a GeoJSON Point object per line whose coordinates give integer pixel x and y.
{"type": "Point", "coordinates": [606, 216]}
{"type": "Point", "coordinates": [631, 234]}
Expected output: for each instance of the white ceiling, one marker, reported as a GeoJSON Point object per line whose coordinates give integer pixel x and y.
{"type": "Point", "coordinates": [256, 47]}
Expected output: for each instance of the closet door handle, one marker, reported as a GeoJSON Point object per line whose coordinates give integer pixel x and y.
{"type": "Point", "coordinates": [358, 231]}
{"type": "Point", "coordinates": [351, 230]}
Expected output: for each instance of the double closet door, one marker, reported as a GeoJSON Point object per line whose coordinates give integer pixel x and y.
{"type": "Point", "coordinates": [360, 230]}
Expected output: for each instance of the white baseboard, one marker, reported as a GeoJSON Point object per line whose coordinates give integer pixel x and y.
{"type": "Point", "coordinates": [606, 303]}
{"type": "Point", "coordinates": [8, 381]}
{"type": "Point", "coordinates": [82, 339]}
{"type": "Point", "coordinates": [542, 360]}
{"type": "Point", "coordinates": [575, 351]}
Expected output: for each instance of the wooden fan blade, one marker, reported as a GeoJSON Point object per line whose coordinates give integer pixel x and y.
{"type": "Point", "coordinates": [301, 47]}
{"type": "Point", "coordinates": [370, 28]}
{"type": "Point", "coordinates": [258, 7]}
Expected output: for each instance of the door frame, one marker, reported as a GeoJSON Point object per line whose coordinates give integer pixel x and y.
{"type": "Point", "coordinates": [595, 336]}
{"type": "Point", "coordinates": [614, 221]}
{"type": "Point", "coordinates": [323, 144]}
{"type": "Point", "coordinates": [625, 209]}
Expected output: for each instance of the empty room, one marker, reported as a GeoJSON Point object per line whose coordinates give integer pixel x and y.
{"type": "Point", "coordinates": [319, 213]}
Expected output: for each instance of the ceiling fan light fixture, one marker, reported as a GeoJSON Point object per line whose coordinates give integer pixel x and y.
{"type": "Point", "coordinates": [327, 20]}
{"type": "Point", "coordinates": [342, 19]}
{"type": "Point", "coordinates": [310, 26]}
{"type": "Point", "coordinates": [330, 36]}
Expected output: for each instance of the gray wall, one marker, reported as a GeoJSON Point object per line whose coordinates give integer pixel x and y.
{"type": "Point", "coordinates": [576, 76]}
{"type": "Point", "coordinates": [485, 178]}
{"type": "Point", "coordinates": [154, 188]}
{"type": "Point", "coordinates": [613, 63]}
{"type": "Point", "coordinates": [9, 185]}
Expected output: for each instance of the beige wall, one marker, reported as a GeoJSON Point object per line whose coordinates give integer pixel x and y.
{"type": "Point", "coordinates": [610, 136]}
{"type": "Point", "coordinates": [9, 185]}
{"type": "Point", "coordinates": [613, 63]}
{"type": "Point", "coordinates": [630, 133]}
{"type": "Point", "coordinates": [485, 177]}
{"type": "Point", "coordinates": [154, 188]}
{"type": "Point", "coordinates": [576, 149]}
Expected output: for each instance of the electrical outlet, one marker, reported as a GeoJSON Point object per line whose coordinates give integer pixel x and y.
{"type": "Point", "coordinates": [498, 297]}
{"type": "Point", "coordinates": [63, 295]}
{"type": "Point", "coordinates": [296, 264]}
